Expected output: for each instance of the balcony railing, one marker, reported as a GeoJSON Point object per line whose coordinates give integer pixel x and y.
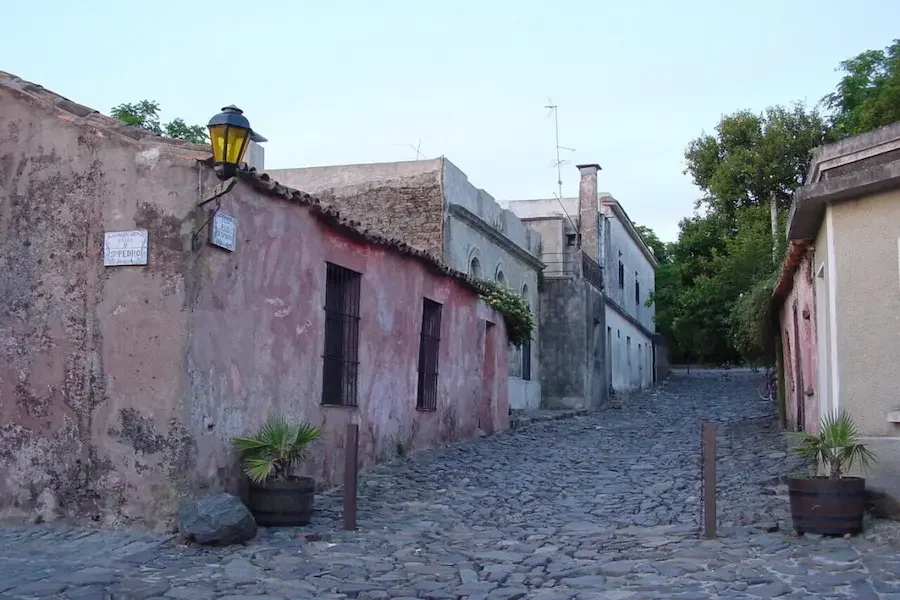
{"type": "Point", "coordinates": [592, 271]}
{"type": "Point", "coordinates": [560, 264]}
{"type": "Point", "coordinates": [573, 264]}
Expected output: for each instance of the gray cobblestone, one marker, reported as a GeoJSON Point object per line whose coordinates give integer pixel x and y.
{"type": "Point", "coordinates": [598, 506]}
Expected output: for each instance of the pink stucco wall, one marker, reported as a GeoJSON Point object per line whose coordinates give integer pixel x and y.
{"type": "Point", "coordinates": [120, 388]}
{"type": "Point", "coordinates": [798, 335]}
{"type": "Point", "coordinates": [257, 341]}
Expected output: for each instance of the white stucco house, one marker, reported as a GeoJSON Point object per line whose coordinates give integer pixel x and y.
{"type": "Point", "coordinates": [595, 225]}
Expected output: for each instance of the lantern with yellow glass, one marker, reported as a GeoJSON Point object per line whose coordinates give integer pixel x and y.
{"type": "Point", "coordinates": [230, 134]}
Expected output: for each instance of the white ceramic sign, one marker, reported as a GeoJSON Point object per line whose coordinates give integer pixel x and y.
{"type": "Point", "coordinates": [122, 248]}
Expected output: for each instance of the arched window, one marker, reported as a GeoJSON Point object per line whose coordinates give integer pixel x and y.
{"type": "Point", "coordinates": [475, 267]}
{"type": "Point", "coordinates": [500, 277]}
{"type": "Point", "coordinates": [525, 293]}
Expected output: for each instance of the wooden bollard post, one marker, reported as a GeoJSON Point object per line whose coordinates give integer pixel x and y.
{"type": "Point", "coordinates": [709, 480]}
{"type": "Point", "coordinates": [350, 472]}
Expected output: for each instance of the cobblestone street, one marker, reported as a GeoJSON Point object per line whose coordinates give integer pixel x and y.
{"type": "Point", "coordinates": [599, 506]}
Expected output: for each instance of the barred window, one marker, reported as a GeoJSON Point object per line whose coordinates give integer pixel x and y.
{"type": "Point", "coordinates": [341, 357]}
{"type": "Point", "coordinates": [429, 349]}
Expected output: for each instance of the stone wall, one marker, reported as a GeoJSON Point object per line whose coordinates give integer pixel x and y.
{"type": "Point", "coordinates": [405, 205]}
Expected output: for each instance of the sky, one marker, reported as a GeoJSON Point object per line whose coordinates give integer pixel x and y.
{"type": "Point", "coordinates": [351, 81]}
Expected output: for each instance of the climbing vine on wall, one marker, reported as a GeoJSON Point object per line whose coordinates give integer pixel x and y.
{"type": "Point", "coordinates": [516, 314]}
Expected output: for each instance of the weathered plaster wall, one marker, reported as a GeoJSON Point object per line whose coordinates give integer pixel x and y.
{"type": "Point", "coordinates": [120, 388]}
{"type": "Point", "coordinates": [800, 349]}
{"type": "Point", "coordinates": [573, 353]}
{"type": "Point", "coordinates": [502, 244]}
{"type": "Point", "coordinates": [563, 341]}
{"type": "Point", "coordinates": [258, 340]}
{"type": "Point", "coordinates": [620, 246]}
{"type": "Point", "coordinates": [458, 190]}
{"type": "Point", "coordinates": [631, 363]}
{"type": "Point", "coordinates": [91, 367]}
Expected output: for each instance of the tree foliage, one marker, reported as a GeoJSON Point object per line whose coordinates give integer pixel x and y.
{"type": "Point", "coordinates": [753, 157]}
{"type": "Point", "coordinates": [145, 115]}
{"type": "Point", "coordinates": [660, 249]}
{"type": "Point", "coordinates": [713, 295]}
{"type": "Point", "coordinates": [868, 95]}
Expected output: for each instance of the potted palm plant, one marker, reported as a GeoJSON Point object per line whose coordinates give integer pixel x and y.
{"type": "Point", "coordinates": [277, 496]}
{"type": "Point", "coordinates": [831, 504]}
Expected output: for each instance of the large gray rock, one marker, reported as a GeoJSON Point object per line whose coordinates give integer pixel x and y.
{"type": "Point", "coordinates": [221, 519]}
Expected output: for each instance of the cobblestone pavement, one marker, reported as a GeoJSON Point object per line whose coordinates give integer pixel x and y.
{"type": "Point", "coordinates": [600, 506]}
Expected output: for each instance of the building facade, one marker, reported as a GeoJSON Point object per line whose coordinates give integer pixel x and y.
{"type": "Point", "coordinates": [631, 279]}
{"type": "Point", "coordinates": [593, 234]}
{"type": "Point", "coordinates": [431, 205]}
{"type": "Point", "coordinates": [126, 370]}
{"type": "Point", "coordinates": [838, 299]}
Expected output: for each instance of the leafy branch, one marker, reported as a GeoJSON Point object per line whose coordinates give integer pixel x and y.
{"type": "Point", "coordinates": [145, 115]}
{"type": "Point", "coordinates": [517, 316]}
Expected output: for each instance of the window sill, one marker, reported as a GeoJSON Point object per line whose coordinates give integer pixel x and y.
{"type": "Point", "coordinates": [344, 406]}
{"type": "Point", "coordinates": [426, 410]}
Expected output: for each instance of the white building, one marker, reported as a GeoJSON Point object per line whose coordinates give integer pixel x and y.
{"type": "Point", "coordinates": [595, 224]}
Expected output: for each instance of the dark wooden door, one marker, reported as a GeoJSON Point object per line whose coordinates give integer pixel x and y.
{"type": "Point", "coordinates": [799, 392]}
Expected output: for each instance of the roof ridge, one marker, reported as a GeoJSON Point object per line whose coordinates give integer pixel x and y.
{"type": "Point", "coordinates": [85, 116]}
{"type": "Point", "coordinates": [331, 216]}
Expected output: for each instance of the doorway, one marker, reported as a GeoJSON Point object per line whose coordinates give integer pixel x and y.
{"type": "Point", "coordinates": [485, 410]}
{"type": "Point", "coordinates": [799, 391]}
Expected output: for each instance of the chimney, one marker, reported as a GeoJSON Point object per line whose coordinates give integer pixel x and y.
{"type": "Point", "coordinates": [588, 210]}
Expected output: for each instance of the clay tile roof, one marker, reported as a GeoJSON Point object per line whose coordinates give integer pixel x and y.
{"type": "Point", "coordinates": [90, 118]}
{"type": "Point", "coordinates": [329, 215]}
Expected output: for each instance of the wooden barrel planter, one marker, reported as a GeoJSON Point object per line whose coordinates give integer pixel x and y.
{"type": "Point", "coordinates": [827, 506]}
{"type": "Point", "coordinates": [283, 503]}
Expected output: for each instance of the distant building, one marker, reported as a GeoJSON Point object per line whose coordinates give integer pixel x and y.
{"type": "Point", "coordinates": [431, 205]}
{"type": "Point", "coordinates": [592, 237]}
{"type": "Point", "coordinates": [838, 299]}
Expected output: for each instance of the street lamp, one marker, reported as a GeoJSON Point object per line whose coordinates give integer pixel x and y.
{"type": "Point", "coordinates": [230, 134]}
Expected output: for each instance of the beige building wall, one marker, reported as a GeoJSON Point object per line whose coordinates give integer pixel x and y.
{"type": "Point", "coordinates": [866, 234]}
{"type": "Point", "coordinates": [822, 283]}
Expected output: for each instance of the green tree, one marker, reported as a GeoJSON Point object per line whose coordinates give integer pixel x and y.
{"type": "Point", "coordinates": [868, 96]}
{"type": "Point", "coordinates": [660, 248]}
{"type": "Point", "coordinates": [145, 114]}
{"type": "Point", "coordinates": [753, 157]}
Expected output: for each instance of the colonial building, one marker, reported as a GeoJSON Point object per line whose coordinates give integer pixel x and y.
{"type": "Point", "coordinates": [591, 237]}
{"type": "Point", "coordinates": [133, 350]}
{"type": "Point", "coordinates": [838, 298]}
{"type": "Point", "coordinates": [431, 205]}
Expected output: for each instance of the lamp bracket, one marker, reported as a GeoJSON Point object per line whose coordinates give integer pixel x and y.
{"type": "Point", "coordinates": [216, 195]}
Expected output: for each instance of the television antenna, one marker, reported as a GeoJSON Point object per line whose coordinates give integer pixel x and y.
{"type": "Point", "coordinates": [417, 148]}
{"type": "Point", "coordinates": [554, 110]}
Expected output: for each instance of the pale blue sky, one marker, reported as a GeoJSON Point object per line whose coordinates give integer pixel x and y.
{"type": "Point", "coordinates": [353, 81]}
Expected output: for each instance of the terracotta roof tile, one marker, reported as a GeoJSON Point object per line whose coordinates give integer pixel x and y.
{"type": "Point", "coordinates": [329, 215]}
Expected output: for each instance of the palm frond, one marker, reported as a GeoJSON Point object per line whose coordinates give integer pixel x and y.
{"type": "Point", "coordinates": [278, 434]}
{"type": "Point", "coordinates": [276, 449]}
{"type": "Point", "coordinates": [249, 445]}
{"type": "Point", "coordinates": [259, 469]}
{"type": "Point", "coordinates": [836, 446]}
